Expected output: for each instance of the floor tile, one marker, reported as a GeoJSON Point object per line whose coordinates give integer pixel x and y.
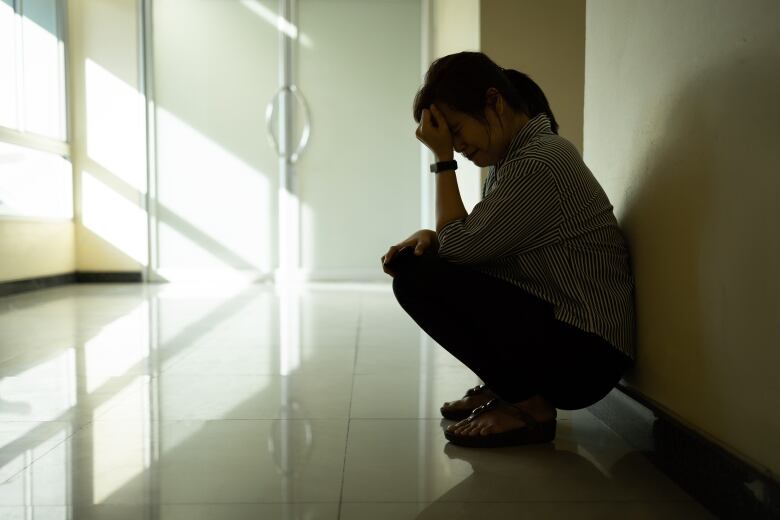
{"type": "Point", "coordinates": [179, 397]}
{"type": "Point", "coordinates": [410, 461]}
{"type": "Point", "coordinates": [173, 401]}
{"type": "Point", "coordinates": [406, 396]}
{"type": "Point", "coordinates": [187, 462]}
{"type": "Point", "coordinates": [216, 359]}
{"type": "Point", "coordinates": [547, 510]}
{"type": "Point", "coordinates": [23, 442]}
{"type": "Point", "coordinates": [283, 511]}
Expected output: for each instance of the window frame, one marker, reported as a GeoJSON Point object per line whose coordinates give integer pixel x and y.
{"type": "Point", "coordinates": [19, 136]}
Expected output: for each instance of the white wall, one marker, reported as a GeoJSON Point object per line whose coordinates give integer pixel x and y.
{"type": "Point", "coordinates": [108, 139]}
{"type": "Point", "coordinates": [455, 28]}
{"type": "Point", "coordinates": [681, 129]}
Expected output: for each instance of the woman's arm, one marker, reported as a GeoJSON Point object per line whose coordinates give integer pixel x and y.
{"type": "Point", "coordinates": [449, 204]}
{"type": "Point", "coordinates": [523, 211]}
{"type": "Point", "coordinates": [433, 131]}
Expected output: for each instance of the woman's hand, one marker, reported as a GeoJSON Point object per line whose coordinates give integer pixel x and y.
{"type": "Point", "coordinates": [435, 134]}
{"type": "Point", "coordinates": [420, 241]}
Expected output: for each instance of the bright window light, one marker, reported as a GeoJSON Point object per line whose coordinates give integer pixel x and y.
{"type": "Point", "coordinates": [8, 102]}
{"type": "Point", "coordinates": [213, 207]}
{"type": "Point", "coordinates": [43, 84]}
{"type": "Point", "coordinates": [118, 349]}
{"type": "Point", "coordinates": [115, 126]}
{"type": "Point", "coordinates": [117, 220]}
{"type": "Point", "coordinates": [34, 184]}
{"type": "Point", "coordinates": [270, 16]}
{"type": "Point", "coordinates": [120, 447]}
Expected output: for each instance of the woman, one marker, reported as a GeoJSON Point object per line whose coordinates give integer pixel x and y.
{"type": "Point", "coordinates": [533, 289]}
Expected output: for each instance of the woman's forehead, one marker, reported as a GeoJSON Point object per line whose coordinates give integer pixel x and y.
{"type": "Point", "coordinates": [450, 114]}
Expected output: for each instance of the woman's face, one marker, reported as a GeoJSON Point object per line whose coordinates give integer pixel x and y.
{"type": "Point", "coordinates": [470, 136]}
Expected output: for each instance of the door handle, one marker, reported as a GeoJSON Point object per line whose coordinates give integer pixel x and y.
{"type": "Point", "coordinates": [270, 109]}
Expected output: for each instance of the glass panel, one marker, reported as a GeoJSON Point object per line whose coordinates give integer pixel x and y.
{"type": "Point", "coordinates": [7, 65]}
{"type": "Point", "coordinates": [215, 66]}
{"type": "Point", "coordinates": [43, 83]}
{"type": "Point", "coordinates": [359, 179]}
{"type": "Point", "coordinates": [34, 184]}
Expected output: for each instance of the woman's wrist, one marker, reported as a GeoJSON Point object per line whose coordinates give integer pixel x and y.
{"type": "Point", "coordinates": [444, 156]}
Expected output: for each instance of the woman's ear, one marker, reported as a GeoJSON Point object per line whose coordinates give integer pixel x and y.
{"type": "Point", "coordinates": [494, 100]}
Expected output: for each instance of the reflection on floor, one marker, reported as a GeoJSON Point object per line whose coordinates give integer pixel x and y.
{"type": "Point", "coordinates": [200, 402]}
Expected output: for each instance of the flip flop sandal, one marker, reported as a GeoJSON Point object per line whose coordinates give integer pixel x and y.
{"type": "Point", "coordinates": [458, 414]}
{"type": "Point", "coordinates": [533, 432]}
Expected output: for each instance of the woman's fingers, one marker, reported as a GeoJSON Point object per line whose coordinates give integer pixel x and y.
{"type": "Point", "coordinates": [388, 257]}
{"type": "Point", "coordinates": [391, 253]}
{"type": "Point", "coordinates": [414, 242]}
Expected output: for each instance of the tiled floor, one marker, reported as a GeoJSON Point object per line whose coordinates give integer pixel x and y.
{"type": "Point", "coordinates": [200, 402]}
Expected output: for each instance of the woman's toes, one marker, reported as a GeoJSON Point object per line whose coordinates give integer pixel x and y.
{"type": "Point", "coordinates": [470, 429]}
{"type": "Point", "coordinates": [463, 430]}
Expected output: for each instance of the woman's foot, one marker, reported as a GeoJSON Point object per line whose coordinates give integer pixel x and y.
{"type": "Point", "coordinates": [503, 419]}
{"type": "Point", "coordinates": [468, 402]}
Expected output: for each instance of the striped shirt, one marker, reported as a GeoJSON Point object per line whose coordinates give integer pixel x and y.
{"type": "Point", "coordinates": [545, 225]}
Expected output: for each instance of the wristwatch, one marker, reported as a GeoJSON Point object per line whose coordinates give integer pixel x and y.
{"type": "Point", "coordinates": [444, 166]}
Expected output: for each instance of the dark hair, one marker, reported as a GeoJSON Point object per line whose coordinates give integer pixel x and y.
{"type": "Point", "coordinates": [461, 80]}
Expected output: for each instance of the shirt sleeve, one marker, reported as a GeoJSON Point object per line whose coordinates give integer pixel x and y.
{"type": "Point", "coordinates": [521, 212]}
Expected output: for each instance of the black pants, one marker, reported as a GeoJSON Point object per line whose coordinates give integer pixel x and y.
{"type": "Point", "coordinates": [508, 337]}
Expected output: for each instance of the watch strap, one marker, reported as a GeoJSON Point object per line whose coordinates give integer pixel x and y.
{"type": "Point", "coordinates": [443, 166]}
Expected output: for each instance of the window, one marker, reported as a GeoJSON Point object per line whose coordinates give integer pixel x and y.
{"type": "Point", "coordinates": [8, 102]}
{"type": "Point", "coordinates": [35, 171]}
{"type": "Point", "coordinates": [34, 183]}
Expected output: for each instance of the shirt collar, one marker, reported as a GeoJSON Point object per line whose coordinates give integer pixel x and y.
{"type": "Point", "coordinates": [539, 124]}
{"type": "Point", "coordinates": [536, 125]}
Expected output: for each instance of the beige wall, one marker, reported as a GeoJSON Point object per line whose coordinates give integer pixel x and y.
{"type": "Point", "coordinates": [545, 40]}
{"type": "Point", "coordinates": [681, 128]}
{"type": "Point", "coordinates": [108, 139]}
{"type": "Point", "coordinates": [510, 32]}
{"type": "Point", "coordinates": [35, 248]}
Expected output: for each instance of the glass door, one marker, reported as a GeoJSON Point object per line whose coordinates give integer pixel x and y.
{"type": "Point", "coordinates": [284, 136]}
{"type": "Point", "coordinates": [359, 65]}
{"type": "Point", "coordinates": [215, 68]}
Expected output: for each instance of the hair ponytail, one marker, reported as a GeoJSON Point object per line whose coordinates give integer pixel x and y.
{"type": "Point", "coordinates": [460, 80]}
{"type": "Point", "coordinates": [533, 96]}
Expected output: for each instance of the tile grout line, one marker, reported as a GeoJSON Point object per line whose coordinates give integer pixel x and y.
{"type": "Point", "coordinates": [349, 408]}
{"type": "Point", "coordinates": [76, 429]}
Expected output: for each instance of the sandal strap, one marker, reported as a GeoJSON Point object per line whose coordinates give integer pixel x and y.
{"type": "Point", "coordinates": [479, 410]}
{"type": "Point", "coordinates": [479, 389]}
{"type": "Point", "coordinates": [525, 416]}
{"type": "Point", "coordinates": [495, 403]}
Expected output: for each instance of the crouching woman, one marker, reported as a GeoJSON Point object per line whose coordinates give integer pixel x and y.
{"type": "Point", "coordinates": [533, 289]}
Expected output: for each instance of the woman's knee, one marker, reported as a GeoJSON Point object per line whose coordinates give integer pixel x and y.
{"type": "Point", "coordinates": [407, 269]}
{"type": "Point", "coordinates": [414, 273]}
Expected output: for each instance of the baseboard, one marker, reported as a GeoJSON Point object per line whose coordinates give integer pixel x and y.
{"type": "Point", "coordinates": [44, 282]}
{"type": "Point", "coordinates": [725, 484]}
{"type": "Point", "coordinates": [34, 284]}
{"type": "Point", "coordinates": [109, 277]}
